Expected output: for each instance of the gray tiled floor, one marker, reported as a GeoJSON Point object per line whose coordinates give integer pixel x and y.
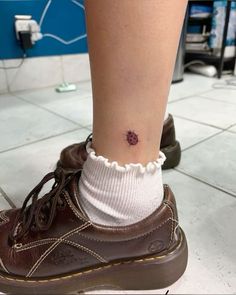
{"type": "Point", "coordinates": [4, 205]}
{"type": "Point", "coordinates": [220, 94]}
{"type": "Point", "coordinates": [233, 129]}
{"type": "Point", "coordinates": [217, 158]}
{"type": "Point", "coordinates": [22, 123]}
{"type": "Point", "coordinates": [190, 133]}
{"type": "Point", "coordinates": [36, 125]}
{"type": "Point", "coordinates": [190, 88]}
{"type": "Point", "coordinates": [212, 112]}
{"type": "Point", "coordinates": [24, 162]}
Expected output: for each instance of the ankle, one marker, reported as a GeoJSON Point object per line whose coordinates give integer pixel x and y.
{"type": "Point", "coordinates": [120, 195]}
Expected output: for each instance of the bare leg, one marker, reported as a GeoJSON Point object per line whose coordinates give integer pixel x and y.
{"type": "Point", "coordinates": [133, 45]}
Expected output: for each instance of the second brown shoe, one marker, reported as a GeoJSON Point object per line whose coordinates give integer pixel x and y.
{"type": "Point", "coordinates": [74, 156]}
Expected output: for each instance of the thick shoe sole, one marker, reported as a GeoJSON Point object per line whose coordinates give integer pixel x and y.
{"type": "Point", "coordinates": [173, 156]}
{"type": "Point", "coordinates": [148, 273]}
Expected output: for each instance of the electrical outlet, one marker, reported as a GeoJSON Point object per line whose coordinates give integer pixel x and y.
{"type": "Point", "coordinates": [24, 23]}
{"type": "Point", "coordinates": [22, 26]}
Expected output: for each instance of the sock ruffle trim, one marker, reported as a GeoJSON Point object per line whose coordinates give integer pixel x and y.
{"type": "Point", "coordinates": [151, 167]}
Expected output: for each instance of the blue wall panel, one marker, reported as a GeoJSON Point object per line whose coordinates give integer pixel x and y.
{"type": "Point", "coordinates": [63, 27]}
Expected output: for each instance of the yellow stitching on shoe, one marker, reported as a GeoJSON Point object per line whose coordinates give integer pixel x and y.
{"type": "Point", "coordinates": [131, 239]}
{"type": "Point", "coordinates": [53, 247]}
{"type": "Point", "coordinates": [53, 240]}
{"type": "Point", "coordinates": [33, 244]}
{"type": "Point", "coordinates": [96, 269]}
{"type": "Point", "coordinates": [168, 204]}
{"type": "Point", "coordinates": [74, 244]}
{"type": "Point", "coordinates": [91, 252]}
{"type": "Point", "coordinates": [172, 223]}
{"type": "Point", "coordinates": [73, 208]}
{"type": "Point", "coordinates": [62, 239]}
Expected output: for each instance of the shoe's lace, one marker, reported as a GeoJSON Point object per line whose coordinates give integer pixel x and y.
{"type": "Point", "coordinates": [40, 214]}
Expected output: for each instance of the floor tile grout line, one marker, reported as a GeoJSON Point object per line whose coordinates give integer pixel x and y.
{"type": "Point", "coordinates": [14, 92]}
{"type": "Point", "coordinates": [86, 95]}
{"type": "Point", "coordinates": [7, 199]}
{"type": "Point", "coordinates": [188, 96]}
{"type": "Point", "coordinates": [209, 90]}
{"type": "Point", "coordinates": [210, 137]}
{"type": "Point", "coordinates": [215, 99]}
{"type": "Point", "coordinates": [232, 131]}
{"type": "Point", "coordinates": [48, 110]}
{"type": "Point", "coordinates": [88, 128]}
{"type": "Point", "coordinates": [43, 108]}
{"type": "Point", "coordinates": [205, 182]}
{"type": "Point", "coordinates": [46, 87]}
{"type": "Point", "coordinates": [234, 125]}
{"type": "Point", "coordinates": [181, 98]}
{"type": "Point", "coordinates": [198, 122]}
{"type": "Point", "coordinates": [203, 140]}
{"type": "Point", "coordinates": [42, 139]}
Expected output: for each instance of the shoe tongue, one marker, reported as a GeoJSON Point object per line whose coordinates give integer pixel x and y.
{"type": "Point", "coordinates": [74, 156]}
{"type": "Point", "coordinates": [73, 190]}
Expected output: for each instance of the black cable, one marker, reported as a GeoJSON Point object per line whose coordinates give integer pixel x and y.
{"type": "Point", "coordinates": [15, 67]}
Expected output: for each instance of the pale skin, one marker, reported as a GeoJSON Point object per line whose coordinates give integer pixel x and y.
{"type": "Point", "coordinates": [132, 48]}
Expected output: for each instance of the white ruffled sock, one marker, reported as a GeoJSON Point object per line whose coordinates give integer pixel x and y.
{"type": "Point", "coordinates": [119, 195]}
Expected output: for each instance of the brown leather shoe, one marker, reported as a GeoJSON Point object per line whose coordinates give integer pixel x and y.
{"type": "Point", "coordinates": [74, 155]}
{"type": "Point", "coordinates": [51, 246]}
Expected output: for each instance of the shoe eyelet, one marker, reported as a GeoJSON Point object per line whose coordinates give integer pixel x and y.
{"type": "Point", "coordinates": [18, 246]}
